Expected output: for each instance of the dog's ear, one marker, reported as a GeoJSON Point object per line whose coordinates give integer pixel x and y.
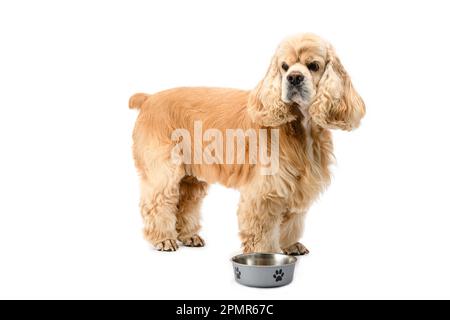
{"type": "Point", "coordinates": [337, 104]}
{"type": "Point", "coordinates": [264, 103]}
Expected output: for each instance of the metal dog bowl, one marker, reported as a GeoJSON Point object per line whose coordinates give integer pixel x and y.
{"type": "Point", "coordinates": [263, 270]}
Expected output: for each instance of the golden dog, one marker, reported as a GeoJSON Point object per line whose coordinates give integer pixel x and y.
{"type": "Point", "coordinates": [305, 92]}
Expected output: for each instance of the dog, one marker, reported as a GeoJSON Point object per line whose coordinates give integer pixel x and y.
{"type": "Point", "coordinates": [305, 93]}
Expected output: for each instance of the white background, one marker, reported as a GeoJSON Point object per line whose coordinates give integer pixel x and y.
{"type": "Point", "coordinates": [69, 220]}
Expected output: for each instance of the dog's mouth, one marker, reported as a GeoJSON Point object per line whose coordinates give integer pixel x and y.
{"type": "Point", "coordinates": [300, 96]}
{"type": "Point", "coordinates": [301, 90]}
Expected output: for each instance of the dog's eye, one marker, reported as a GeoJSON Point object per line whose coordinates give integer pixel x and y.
{"type": "Point", "coordinates": [285, 66]}
{"type": "Point", "coordinates": [313, 66]}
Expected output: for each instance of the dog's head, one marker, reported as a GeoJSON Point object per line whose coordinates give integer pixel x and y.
{"type": "Point", "coordinates": [305, 73]}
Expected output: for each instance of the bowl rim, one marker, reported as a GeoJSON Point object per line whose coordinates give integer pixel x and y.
{"type": "Point", "coordinates": [264, 266]}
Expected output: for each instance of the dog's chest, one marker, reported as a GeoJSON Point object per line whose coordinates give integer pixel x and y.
{"type": "Point", "coordinates": [308, 139]}
{"type": "Point", "coordinates": [305, 162]}
{"type": "Point", "coordinates": [304, 141]}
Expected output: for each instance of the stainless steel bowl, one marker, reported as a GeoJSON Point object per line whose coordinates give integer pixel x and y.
{"type": "Point", "coordinates": [263, 270]}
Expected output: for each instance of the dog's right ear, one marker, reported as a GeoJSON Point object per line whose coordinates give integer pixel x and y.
{"type": "Point", "coordinates": [265, 106]}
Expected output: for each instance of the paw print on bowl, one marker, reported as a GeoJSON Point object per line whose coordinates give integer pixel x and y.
{"type": "Point", "coordinates": [278, 275]}
{"type": "Point", "coordinates": [237, 273]}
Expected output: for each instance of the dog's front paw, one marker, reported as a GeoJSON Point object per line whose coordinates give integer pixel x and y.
{"type": "Point", "coordinates": [297, 249]}
{"type": "Point", "coordinates": [167, 245]}
{"type": "Point", "coordinates": [193, 241]}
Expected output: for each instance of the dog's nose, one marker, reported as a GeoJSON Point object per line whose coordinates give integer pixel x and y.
{"type": "Point", "coordinates": [295, 78]}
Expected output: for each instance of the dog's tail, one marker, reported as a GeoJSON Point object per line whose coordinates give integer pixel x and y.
{"type": "Point", "coordinates": [137, 100]}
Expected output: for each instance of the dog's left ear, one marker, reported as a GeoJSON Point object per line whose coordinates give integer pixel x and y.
{"type": "Point", "coordinates": [337, 104]}
{"type": "Point", "coordinates": [265, 106]}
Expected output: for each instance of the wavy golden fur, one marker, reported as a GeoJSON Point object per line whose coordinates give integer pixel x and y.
{"type": "Point", "coordinates": [272, 208]}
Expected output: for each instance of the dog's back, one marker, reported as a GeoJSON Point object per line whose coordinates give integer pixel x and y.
{"type": "Point", "coordinates": [163, 113]}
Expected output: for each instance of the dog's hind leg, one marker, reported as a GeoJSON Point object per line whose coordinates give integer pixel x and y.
{"type": "Point", "coordinates": [192, 192]}
{"type": "Point", "coordinates": [291, 231]}
{"type": "Point", "coordinates": [160, 193]}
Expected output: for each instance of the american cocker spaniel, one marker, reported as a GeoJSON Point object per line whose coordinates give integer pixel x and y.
{"type": "Point", "coordinates": [305, 92]}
